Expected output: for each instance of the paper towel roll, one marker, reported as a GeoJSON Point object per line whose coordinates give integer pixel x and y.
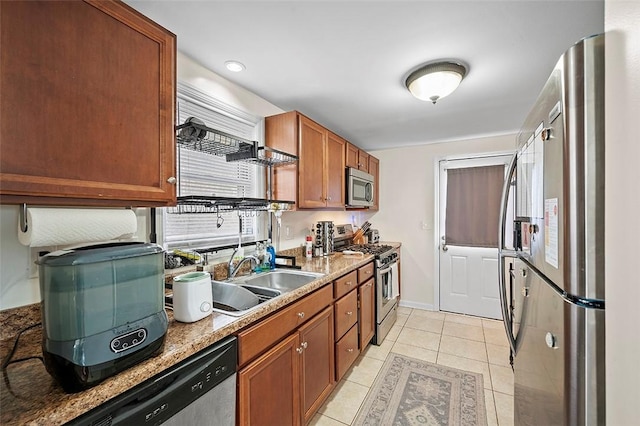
{"type": "Point", "coordinates": [62, 227]}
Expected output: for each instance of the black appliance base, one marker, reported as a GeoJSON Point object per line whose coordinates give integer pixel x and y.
{"type": "Point", "coordinates": [75, 378]}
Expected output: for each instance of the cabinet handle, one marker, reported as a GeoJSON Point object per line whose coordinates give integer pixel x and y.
{"type": "Point", "coordinates": [301, 315]}
{"type": "Point", "coordinates": [172, 180]}
{"type": "Point", "coordinates": [350, 350]}
{"type": "Point", "coordinates": [299, 350]}
{"type": "Point", "coordinates": [350, 313]}
{"type": "Point", "coordinates": [304, 345]}
{"type": "Point", "coordinates": [348, 283]}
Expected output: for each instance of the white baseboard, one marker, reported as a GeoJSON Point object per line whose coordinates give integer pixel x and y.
{"type": "Point", "coordinates": [416, 305]}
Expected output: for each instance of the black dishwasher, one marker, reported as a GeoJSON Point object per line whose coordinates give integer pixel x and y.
{"type": "Point", "coordinates": [198, 391]}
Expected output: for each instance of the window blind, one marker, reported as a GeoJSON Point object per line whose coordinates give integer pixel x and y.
{"type": "Point", "coordinates": [210, 175]}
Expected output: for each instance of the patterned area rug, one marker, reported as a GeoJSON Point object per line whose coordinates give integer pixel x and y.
{"type": "Point", "coordinates": [412, 392]}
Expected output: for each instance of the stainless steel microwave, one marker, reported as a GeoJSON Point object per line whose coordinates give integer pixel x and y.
{"type": "Point", "coordinates": [359, 188]}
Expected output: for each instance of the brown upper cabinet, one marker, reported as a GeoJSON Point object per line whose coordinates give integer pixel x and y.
{"type": "Point", "coordinates": [374, 169]}
{"type": "Point", "coordinates": [357, 158]}
{"type": "Point", "coordinates": [88, 105]}
{"type": "Point", "coordinates": [318, 180]}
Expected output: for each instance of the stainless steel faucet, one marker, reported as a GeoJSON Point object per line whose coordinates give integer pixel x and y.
{"type": "Point", "coordinates": [232, 271]}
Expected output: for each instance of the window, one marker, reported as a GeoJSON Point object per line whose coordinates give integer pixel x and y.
{"type": "Point", "coordinates": [210, 175]}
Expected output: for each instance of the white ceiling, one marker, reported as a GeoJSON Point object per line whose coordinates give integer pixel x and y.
{"type": "Point", "coordinates": [343, 63]}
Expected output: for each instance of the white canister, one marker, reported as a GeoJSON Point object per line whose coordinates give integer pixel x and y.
{"type": "Point", "coordinates": [192, 296]}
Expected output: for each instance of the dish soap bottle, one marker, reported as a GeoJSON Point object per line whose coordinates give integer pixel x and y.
{"type": "Point", "coordinates": [272, 255]}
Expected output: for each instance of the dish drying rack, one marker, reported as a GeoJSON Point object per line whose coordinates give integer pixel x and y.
{"type": "Point", "coordinates": [194, 204]}
{"type": "Point", "coordinates": [198, 137]}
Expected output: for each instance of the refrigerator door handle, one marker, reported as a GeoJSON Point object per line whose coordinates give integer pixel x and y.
{"type": "Point", "coordinates": [503, 253]}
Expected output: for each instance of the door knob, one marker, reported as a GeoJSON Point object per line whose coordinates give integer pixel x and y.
{"type": "Point", "coordinates": [444, 247]}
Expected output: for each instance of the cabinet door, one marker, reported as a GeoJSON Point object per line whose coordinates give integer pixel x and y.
{"type": "Point", "coordinates": [367, 314]}
{"type": "Point", "coordinates": [346, 352]}
{"type": "Point", "coordinates": [281, 133]}
{"type": "Point", "coordinates": [351, 157]}
{"type": "Point", "coordinates": [318, 362]}
{"type": "Point", "coordinates": [374, 165]}
{"type": "Point", "coordinates": [88, 105]}
{"type": "Point", "coordinates": [269, 387]}
{"type": "Point", "coordinates": [311, 178]}
{"type": "Point", "coordinates": [363, 161]}
{"type": "Point", "coordinates": [334, 167]}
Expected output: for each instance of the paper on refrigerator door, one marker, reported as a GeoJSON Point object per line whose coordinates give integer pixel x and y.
{"type": "Point", "coordinates": [551, 231]}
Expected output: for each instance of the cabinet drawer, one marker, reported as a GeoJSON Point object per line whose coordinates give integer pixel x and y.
{"type": "Point", "coordinates": [365, 272]}
{"type": "Point", "coordinates": [345, 284]}
{"type": "Point", "coordinates": [255, 340]}
{"type": "Point", "coordinates": [346, 313]}
{"type": "Point", "coordinates": [346, 352]}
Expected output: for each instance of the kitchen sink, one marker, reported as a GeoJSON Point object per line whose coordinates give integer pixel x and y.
{"type": "Point", "coordinates": [282, 280]}
{"type": "Point", "coordinates": [238, 299]}
{"type": "Point", "coordinates": [243, 294]}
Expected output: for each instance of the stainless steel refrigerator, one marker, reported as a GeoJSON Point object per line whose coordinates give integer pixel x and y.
{"type": "Point", "coordinates": [552, 267]}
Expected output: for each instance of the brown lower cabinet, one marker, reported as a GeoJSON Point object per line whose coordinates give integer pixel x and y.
{"type": "Point", "coordinates": [366, 313]}
{"type": "Point", "coordinates": [290, 361]}
{"type": "Point", "coordinates": [287, 384]}
{"type": "Point", "coordinates": [269, 387]}
{"type": "Point", "coordinates": [346, 351]}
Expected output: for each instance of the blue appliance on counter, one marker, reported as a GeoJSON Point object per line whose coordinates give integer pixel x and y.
{"type": "Point", "coordinates": [102, 310]}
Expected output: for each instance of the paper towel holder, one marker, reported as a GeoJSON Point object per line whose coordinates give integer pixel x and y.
{"type": "Point", "coordinates": [23, 218]}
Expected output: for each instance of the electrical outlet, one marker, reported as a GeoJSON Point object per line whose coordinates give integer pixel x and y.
{"type": "Point", "coordinates": [287, 233]}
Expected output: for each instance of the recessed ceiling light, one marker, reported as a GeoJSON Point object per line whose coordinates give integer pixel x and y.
{"type": "Point", "coordinates": [235, 66]}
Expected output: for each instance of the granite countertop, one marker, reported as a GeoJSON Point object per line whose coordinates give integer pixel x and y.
{"type": "Point", "coordinates": [29, 395]}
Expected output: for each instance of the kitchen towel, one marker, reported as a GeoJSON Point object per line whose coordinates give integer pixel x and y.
{"type": "Point", "coordinates": [62, 227]}
{"type": "Point", "coordinates": [395, 281]}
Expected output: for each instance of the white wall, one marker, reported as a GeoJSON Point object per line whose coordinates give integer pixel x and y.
{"type": "Point", "coordinates": [407, 198]}
{"type": "Point", "coordinates": [622, 201]}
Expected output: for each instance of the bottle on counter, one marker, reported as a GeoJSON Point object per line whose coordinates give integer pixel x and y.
{"type": "Point", "coordinates": [272, 255]}
{"type": "Point", "coordinates": [309, 247]}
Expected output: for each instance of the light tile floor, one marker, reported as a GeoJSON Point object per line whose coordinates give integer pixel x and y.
{"type": "Point", "coordinates": [458, 341]}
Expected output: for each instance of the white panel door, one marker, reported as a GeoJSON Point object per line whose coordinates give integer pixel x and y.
{"type": "Point", "coordinates": [468, 274]}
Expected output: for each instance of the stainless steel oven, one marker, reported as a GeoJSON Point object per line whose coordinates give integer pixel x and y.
{"type": "Point", "coordinates": [387, 292]}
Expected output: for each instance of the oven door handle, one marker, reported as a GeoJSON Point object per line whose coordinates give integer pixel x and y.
{"type": "Point", "coordinates": [387, 269]}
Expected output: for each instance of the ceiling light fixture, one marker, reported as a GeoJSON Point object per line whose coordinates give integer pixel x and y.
{"type": "Point", "coordinates": [235, 66]}
{"type": "Point", "coordinates": [436, 80]}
